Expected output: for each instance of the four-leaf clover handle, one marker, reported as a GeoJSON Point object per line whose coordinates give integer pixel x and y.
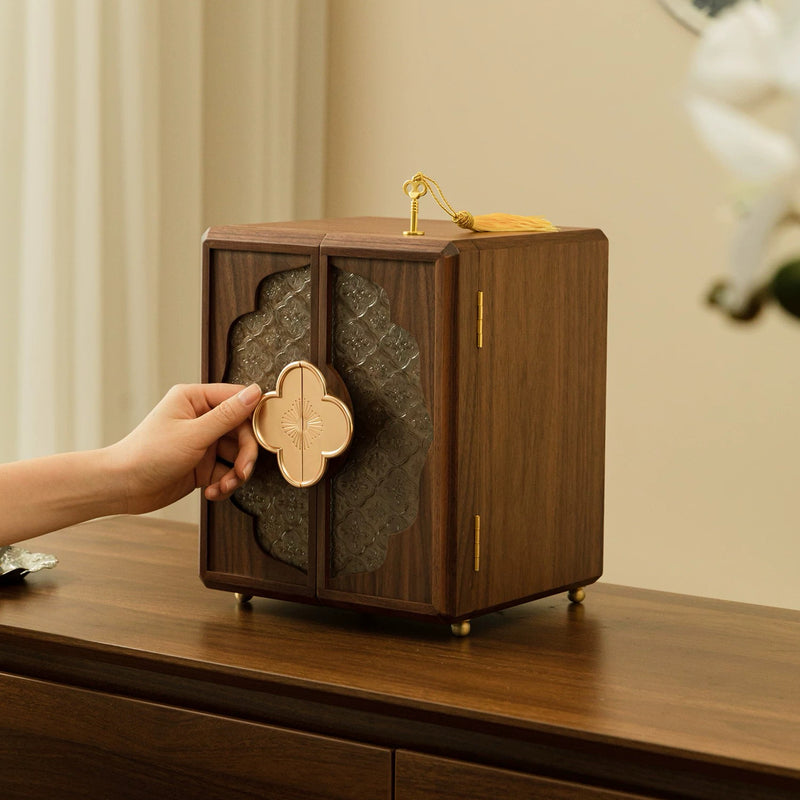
{"type": "Point", "coordinates": [302, 423]}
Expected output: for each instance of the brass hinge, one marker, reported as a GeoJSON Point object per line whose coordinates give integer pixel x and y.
{"type": "Point", "coordinates": [480, 320]}
{"type": "Point", "coordinates": [477, 564]}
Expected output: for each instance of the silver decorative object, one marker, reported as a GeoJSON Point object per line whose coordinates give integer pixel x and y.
{"type": "Point", "coordinates": [16, 563]}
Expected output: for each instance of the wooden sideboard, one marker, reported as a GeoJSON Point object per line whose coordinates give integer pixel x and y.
{"type": "Point", "coordinates": [122, 676]}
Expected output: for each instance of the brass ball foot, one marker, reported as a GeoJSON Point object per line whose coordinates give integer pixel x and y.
{"type": "Point", "coordinates": [576, 595]}
{"type": "Point", "coordinates": [460, 628]}
{"type": "Point", "coordinates": [241, 598]}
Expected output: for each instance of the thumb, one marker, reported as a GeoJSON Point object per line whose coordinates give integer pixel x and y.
{"type": "Point", "coordinates": [229, 414]}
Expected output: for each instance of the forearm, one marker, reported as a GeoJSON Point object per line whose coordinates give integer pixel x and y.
{"type": "Point", "coordinates": [45, 494]}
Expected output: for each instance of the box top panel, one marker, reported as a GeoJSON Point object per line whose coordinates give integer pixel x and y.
{"type": "Point", "coordinates": [440, 236]}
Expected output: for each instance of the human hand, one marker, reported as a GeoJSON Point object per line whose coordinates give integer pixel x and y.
{"type": "Point", "coordinates": [189, 440]}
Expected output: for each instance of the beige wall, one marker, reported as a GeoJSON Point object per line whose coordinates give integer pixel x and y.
{"type": "Point", "coordinates": [573, 110]}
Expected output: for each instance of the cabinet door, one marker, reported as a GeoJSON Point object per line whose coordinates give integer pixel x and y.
{"type": "Point", "coordinates": [387, 339]}
{"type": "Point", "coordinates": [422, 777]}
{"type": "Point", "coordinates": [260, 309]}
{"type": "Point", "coordinates": [57, 741]}
{"type": "Point", "coordinates": [372, 532]}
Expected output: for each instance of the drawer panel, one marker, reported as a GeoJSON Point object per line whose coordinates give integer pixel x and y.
{"type": "Point", "coordinates": [422, 777]}
{"type": "Point", "coordinates": [57, 741]}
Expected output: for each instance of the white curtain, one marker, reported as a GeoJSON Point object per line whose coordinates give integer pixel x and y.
{"type": "Point", "coordinates": [128, 126]}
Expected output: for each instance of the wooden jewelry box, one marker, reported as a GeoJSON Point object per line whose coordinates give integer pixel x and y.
{"type": "Point", "coordinates": [473, 366]}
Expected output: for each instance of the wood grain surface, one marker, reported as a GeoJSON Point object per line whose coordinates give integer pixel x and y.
{"type": "Point", "coordinates": [231, 553]}
{"type": "Point", "coordinates": [407, 573]}
{"type": "Point", "coordinates": [628, 686]}
{"type": "Point", "coordinates": [128, 750]}
{"type": "Point", "coordinates": [538, 411]}
{"type": "Point", "coordinates": [422, 777]}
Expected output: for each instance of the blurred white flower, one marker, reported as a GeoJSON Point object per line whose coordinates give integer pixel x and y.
{"type": "Point", "coordinates": [750, 54]}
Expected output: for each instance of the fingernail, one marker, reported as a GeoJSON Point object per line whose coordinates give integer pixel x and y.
{"type": "Point", "coordinates": [229, 485]}
{"type": "Point", "coordinates": [248, 470]}
{"type": "Point", "coordinates": [212, 493]}
{"type": "Point", "coordinates": [249, 396]}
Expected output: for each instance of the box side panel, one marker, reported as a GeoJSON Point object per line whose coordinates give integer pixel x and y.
{"type": "Point", "coordinates": [541, 379]}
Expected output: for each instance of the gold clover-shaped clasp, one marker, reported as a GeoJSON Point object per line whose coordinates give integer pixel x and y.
{"type": "Point", "coordinates": [302, 424]}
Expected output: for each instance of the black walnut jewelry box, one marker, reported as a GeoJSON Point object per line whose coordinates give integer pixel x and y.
{"type": "Point", "coordinates": [473, 366]}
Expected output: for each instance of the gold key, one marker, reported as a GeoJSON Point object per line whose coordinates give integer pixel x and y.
{"type": "Point", "coordinates": [414, 188]}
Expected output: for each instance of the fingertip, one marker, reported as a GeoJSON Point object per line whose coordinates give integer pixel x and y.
{"type": "Point", "coordinates": [250, 395]}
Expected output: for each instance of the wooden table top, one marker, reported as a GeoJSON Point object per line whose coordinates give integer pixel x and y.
{"type": "Point", "coordinates": [660, 673]}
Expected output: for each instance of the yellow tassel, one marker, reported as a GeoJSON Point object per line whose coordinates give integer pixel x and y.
{"type": "Point", "coordinates": [420, 184]}
{"type": "Point", "coordinates": [502, 222]}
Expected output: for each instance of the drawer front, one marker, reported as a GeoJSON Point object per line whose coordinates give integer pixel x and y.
{"type": "Point", "coordinates": [57, 741]}
{"type": "Point", "coordinates": [422, 777]}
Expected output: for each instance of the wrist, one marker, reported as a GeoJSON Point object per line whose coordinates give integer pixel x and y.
{"type": "Point", "coordinates": [114, 479]}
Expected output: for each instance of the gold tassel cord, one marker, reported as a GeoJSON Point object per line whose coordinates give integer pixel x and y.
{"type": "Point", "coordinates": [496, 222]}
{"type": "Point", "coordinates": [510, 222]}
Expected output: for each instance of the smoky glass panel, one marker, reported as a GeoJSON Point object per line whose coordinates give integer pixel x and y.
{"type": "Point", "coordinates": [260, 345]}
{"type": "Point", "coordinates": [376, 493]}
